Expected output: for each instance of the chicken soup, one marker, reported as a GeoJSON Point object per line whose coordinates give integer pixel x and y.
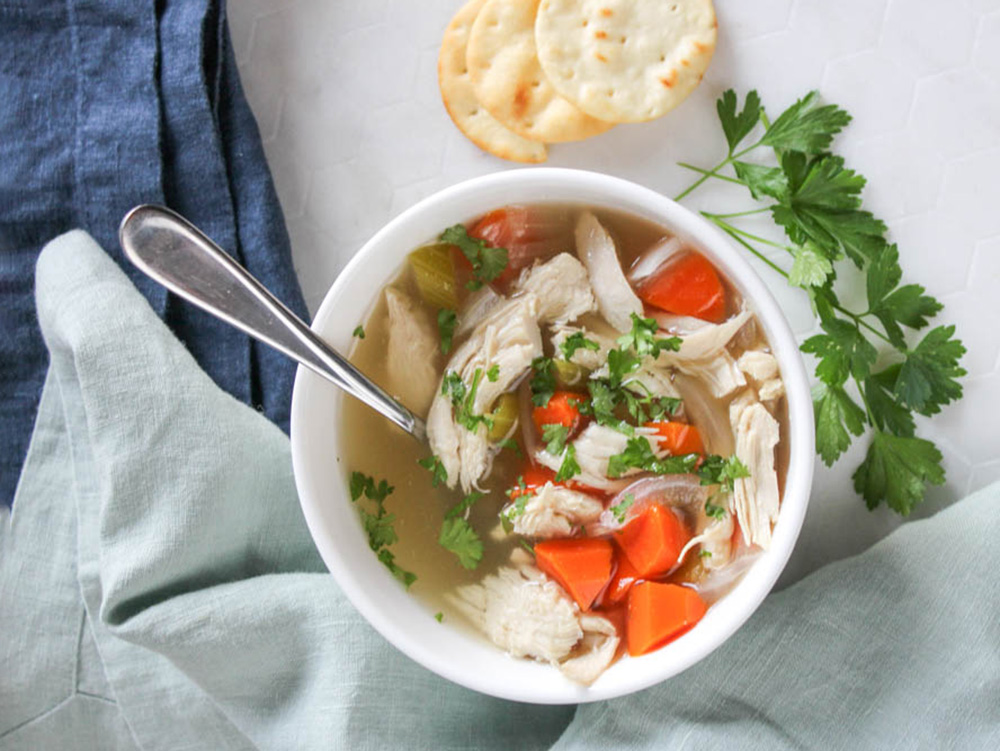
{"type": "Point", "coordinates": [606, 428]}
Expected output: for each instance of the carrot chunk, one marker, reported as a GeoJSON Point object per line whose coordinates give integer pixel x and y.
{"type": "Point", "coordinates": [582, 567]}
{"type": "Point", "coordinates": [678, 438]}
{"type": "Point", "coordinates": [624, 577]}
{"type": "Point", "coordinates": [689, 286]}
{"type": "Point", "coordinates": [532, 478]}
{"type": "Point", "coordinates": [561, 410]}
{"type": "Point", "coordinates": [653, 540]}
{"type": "Point", "coordinates": [659, 613]}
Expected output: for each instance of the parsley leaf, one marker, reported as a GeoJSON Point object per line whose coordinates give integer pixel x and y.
{"type": "Point", "coordinates": [569, 468]}
{"type": "Point", "coordinates": [738, 126]}
{"type": "Point", "coordinates": [837, 416]}
{"type": "Point", "coordinates": [887, 413]}
{"type": "Point", "coordinates": [435, 466]}
{"type": "Point", "coordinates": [575, 341]}
{"type": "Point", "coordinates": [378, 524]}
{"type": "Point", "coordinates": [715, 470]}
{"type": "Point", "coordinates": [464, 505]}
{"type": "Point", "coordinates": [638, 454]}
{"type": "Point", "coordinates": [805, 126]}
{"type": "Point", "coordinates": [543, 381]}
{"type": "Point", "coordinates": [642, 341]}
{"type": "Point", "coordinates": [493, 374]}
{"type": "Point", "coordinates": [458, 537]}
{"type": "Point", "coordinates": [359, 332]}
{"type": "Point", "coordinates": [763, 181]}
{"type": "Point", "coordinates": [621, 509]}
{"type": "Point", "coordinates": [926, 380]}
{"type": "Point", "coordinates": [554, 436]}
{"type": "Point", "coordinates": [810, 267]}
{"type": "Point", "coordinates": [715, 511]}
{"type": "Point", "coordinates": [487, 262]}
{"type": "Point", "coordinates": [897, 469]}
{"type": "Point", "coordinates": [439, 616]}
{"type": "Point", "coordinates": [447, 320]}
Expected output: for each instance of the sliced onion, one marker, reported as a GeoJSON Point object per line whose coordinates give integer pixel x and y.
{"type": "Point", "coordinates": [719, 582]}
{"type": "Point", "coordinates": [650, 262]}
{"type": "Point", "coordinates": [706, 413]}
{"type": "Point", "coordinates": [675, 324]}
{"type": "Point", "coordinates": [681, 491]}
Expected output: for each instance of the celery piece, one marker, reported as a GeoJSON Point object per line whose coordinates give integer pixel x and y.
{"type": "Point", "coordinates": [435, 275]}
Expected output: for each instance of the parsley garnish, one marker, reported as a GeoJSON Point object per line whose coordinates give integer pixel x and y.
{"type": "Point", "coordinates": [638, 454]}
{"type": "Point", "coordinates": [510, 443]}
{"type": "Point", "coordinates": [435, 466]}
{"type": "Point", "coordinates": [439, 616]}
{"type": "Point", "coordinates": [704, 554]}
{"type": "Point", "coordinates": [554, 435]}
{"type": "Point", "coordinates": [642, 340]}
{"type": "Point", "coordinates": [714, 511]}
{"type": "Point", "coordinates": [620, 509]}
{"type": "Point", "coordinates": [715, 470]}
{"type": "Point", "coordinates": [463, 399]}
{"type": "Point", "coordinates": [359, 332]}
{"type": "Point", "coordinates": [576, 341]}
{"type": "Point", "coordinates": [543, 381]}
{"type": "Point", "coordinates": [379, 525]}
{"type": "Point", "coordinates": [569, 468]}
{"type": "Point", "coordinates": [493, 374]}
{"type": "Point", "coordinates": [458, 536]}
{"type": "Point", "coordinates": [816, 199]}
{"type": "Point", "coordinates": [487, 262]}
{"type": "Point", "coordinates": [446, 328]}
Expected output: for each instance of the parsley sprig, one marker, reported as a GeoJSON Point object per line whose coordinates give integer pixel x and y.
{"type": "Point", "coordinates": [816, 199]}
{"type": "Point", "coordinates": [487, 262]}
{"type": "Point", "coordinates": [463, 399]}
{"type": "Point", "coordinates": [378, 524]}
{"type": "Point", "coordinates": [457, 535]}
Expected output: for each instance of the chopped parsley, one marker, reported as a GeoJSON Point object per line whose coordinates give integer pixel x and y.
{"type": "Point", "coordinates": [714, 511]}
{"type": "Point", "coordinates": [704, 554]}
{"type": "Point", "coordinates": [543, 381]}
{"type": "Point", "coordinates": [359, 332]}
{"type": "Point", "coordinates": [447, 320]}
{"type": "Point", "coordinates": [620, 509]}
{"type": "Point", "coordinates": [576, 341]}
{"type": "Point", "coordinates": [554, 436]}
{"type": "Point", "coordinates": [510, 443]}
{"type": "Point", "coordinates": [638, 454]}
{"type": "Point", "coordinates": [569, 468]}
{"type": "Point", "coordinates": [439, 616]}
{"type": "Point", "coordinates": [716, 470]}
{"type": "Point", "coordinates": [457, 535]}
{"type": "Point", "coordinates": [493, 374]}
{"type": "Point", "coordinates": [487, 262]}
{"type": "Point", "coordinates": [643, 341]}
{"type": "Point", "coordinates": [463, 399]}
{"type": "Point", "coordinates": [435, 466]}
{"type": "Point", "coordinates": [379, 524]}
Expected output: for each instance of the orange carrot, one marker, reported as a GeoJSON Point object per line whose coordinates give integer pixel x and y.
{"type": "Point", "coordinates": [581, 566]}
{"type": "Point", "coordinates": [678, 438]}
{"type": "Point", "coordinates": [625, 576]}
{"type": "Point", "coordinates": [659, 613]}
{"type": "Point", "coordinates": [688, 286]}
{"type": "Point", "coordinates": [561, 410]}
{"type": "Point", "coordinates": [532, 478]}
{"type": "Point", "coordinates": [653, 540]}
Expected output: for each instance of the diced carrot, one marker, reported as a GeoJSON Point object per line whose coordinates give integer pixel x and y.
{"type": "Point", "coordinates": [532, 478]}
{"type": "Point", "coordinates": [624, 577]}
{"type": "Point", "coordinates": [678, 438]}
{"type": "Point", "coordinates": [581, 566]}
{"type": "Point", "coordinates": [561, 410]}
{"type": "Point", "coordinates": [659, 613]}
{"type": "Point", "coordinates": [688, 286]}
{"type": "Point", "coordinates": [653, 540]}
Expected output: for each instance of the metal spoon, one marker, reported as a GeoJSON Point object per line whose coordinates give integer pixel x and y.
{"type": "Point", "coordinates": [174, 252]}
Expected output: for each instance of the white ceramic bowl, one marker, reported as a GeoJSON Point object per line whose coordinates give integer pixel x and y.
{"type": "Point", "coordinates": [322, 480]}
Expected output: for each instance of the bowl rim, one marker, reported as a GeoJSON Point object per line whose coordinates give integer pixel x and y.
{"type": "Point", "coordinates": [575, 186]}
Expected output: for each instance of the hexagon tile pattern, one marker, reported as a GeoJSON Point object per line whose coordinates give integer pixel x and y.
{"type": "Point", "coordinates": [347, 100]}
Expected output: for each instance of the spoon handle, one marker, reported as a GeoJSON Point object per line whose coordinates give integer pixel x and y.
{"type": "Point", "coordinates": [174, 252]}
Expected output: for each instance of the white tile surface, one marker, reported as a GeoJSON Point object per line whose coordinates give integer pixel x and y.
{"type": "Point", "coordinates": [346, 96]}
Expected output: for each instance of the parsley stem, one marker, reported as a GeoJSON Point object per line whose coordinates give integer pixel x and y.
{"type": "Point", "coordinates": [707, 174]}
{"type": "Point", "coordinates": [718, 219]}
{"type": "Point", "coordinates": [751, 212]}
{"type": "Point", "coordinates": [714, 172]}
{"type": "Point", "coordinates": [728, 229]}
{"type": "Point", "coordinates": [860, 321]}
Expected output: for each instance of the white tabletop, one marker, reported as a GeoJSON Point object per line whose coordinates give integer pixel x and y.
{"type": "Point", "coordinates": [347, 101]}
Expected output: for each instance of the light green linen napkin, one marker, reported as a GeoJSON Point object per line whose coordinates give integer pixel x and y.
{"type": "Point", "coordinates": [158, 589]}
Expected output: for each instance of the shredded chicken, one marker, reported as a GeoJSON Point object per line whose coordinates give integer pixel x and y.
{"type": "Point", "coordinates": [508, 338]}
{"type": "Point", "coordinates": [562, 287]}
{"type": "Point", "coordinates": [715, 539]}
{"type": "Point", "coordinates": [615, 298]}
{"type": "Point", "coordinates": [755, 498]}
{"type": "Point", "coordinates": [720, 375]}
{"type": "Point", "coordinates": [594, 447]}
{"type": "Point", "coordinates": [709, 340]}
{"type": "Point", "coordinates": [527, 615]}
{"type": "Point", "coordinates": [760, 366]}
{"type": "Point", "coordinates": [476, 309]}
{"type": "Point", "coordinates": [587, 358]}
{"type": "Point", "coordinates": [556, 511]}
{"type": "Point", "coordinates": [412, 353]}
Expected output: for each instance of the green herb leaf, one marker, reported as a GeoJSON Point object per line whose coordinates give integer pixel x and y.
{"type": "Point", "coordinates": [763, 181]}
{"type": "Point", "coordinates": [638, 454]}
{"type": "Point", "coordinates": [493, 374]}
{"type": "Point", "coordinates": [464, 505]}
{"type": "Point", "coordinates": [621, 509]}
{"type": "Point", "coordinates": [543, 381]}
{"type": "Point", "coordinates": [464, 414]}
{"type": "Point", "coordinates": [887, 413]}
{"type": "Point", "coordinates": [737, 126]}
{"type": "Point", "coordinates": [554, 436]}
{"type": "Point", "coordinates": [642, 340]}
{"type": "Point", "coordinates": [439, 616]}
{"type": "Point", "coordinates": [806, 126]}
{"type": "Point", "coordinates": [569, 468]}
{"type": "Point", "coordinates": [837, 417]}
{"type": "Point", "coordinates": [435, 466]}
{"type": "Point", "coordinates": [810, 267]}
{"type": "Point", "coordinates": [378, 524]}
{"type": "Point", "coordinates": [458, 537]}
{"type": "Point", "coordinates": [447, 320]}
{"type": "Point", "coordinates": [724, 472]}
{"type": "Point", "coordinates": [389, 561]}
{"type": "Point", "coordinates": [714, 511]}
{"type": "Point", "coordinates": [359, 332]}
{"type": "Point", "coordinates": [897, 470]}
{"type": "Point", "coordinates": [510, 443]}
{"type": "Point", "coordinates": [487, 262]}
{"type": "Point", "coordinates": [926, 381]}
{"type": "Point", "coordinates": [575, 341]}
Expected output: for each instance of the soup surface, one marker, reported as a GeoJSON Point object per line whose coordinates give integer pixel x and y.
{"type": "Point", "coordinates": [606, 425]}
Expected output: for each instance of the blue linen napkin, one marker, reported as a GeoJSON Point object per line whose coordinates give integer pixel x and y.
{"type": "Point", "coordinates": [158, 589]}
{"type": "Point", "coordinates": [104, 105]}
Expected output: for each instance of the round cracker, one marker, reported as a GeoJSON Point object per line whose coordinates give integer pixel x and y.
{"type": "Point", "coordinates": [625, 60]}
{"type": "Point", "coordinates": [478, 125]}
{"type": "Point", "coordinates": [509, 81]}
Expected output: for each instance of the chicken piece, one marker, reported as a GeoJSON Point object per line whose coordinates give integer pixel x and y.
{"type": "Point", "coordinates": [771, 390]}
{"type": "Point", "coordinates": [508, 338]}
{"type": "Point", "coordinates": [652, 380]}
{"type": "Point", "coordinates": [587, 358]}
{"type": "Point", "coordinates": [715, 539]}
{"type": "Point", "coordinates": [412, 352]}
{"type": "Point", "coordinates": [562, 287]}
{"type": "Point", "coordinates": [477, 308]}
{"type": "Point", "coordinates": [555, 511]}
{"type": "Point", "coordinates": [708, 341]}
{"type": "Point", "coordinates": [523, 613]}
{"type": "Point", "coordinates": [615, 298]}
{"type": "Point", "coordinates": [594, 653]}
{"type": "Point", "coordinates": [755, 498]}
{"type": "Point", "coordinates": [594, 447]}
{"type": "Point", "coordinates": [760, 366]}
{"type": "Point", "coordinates": [720, 375]}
